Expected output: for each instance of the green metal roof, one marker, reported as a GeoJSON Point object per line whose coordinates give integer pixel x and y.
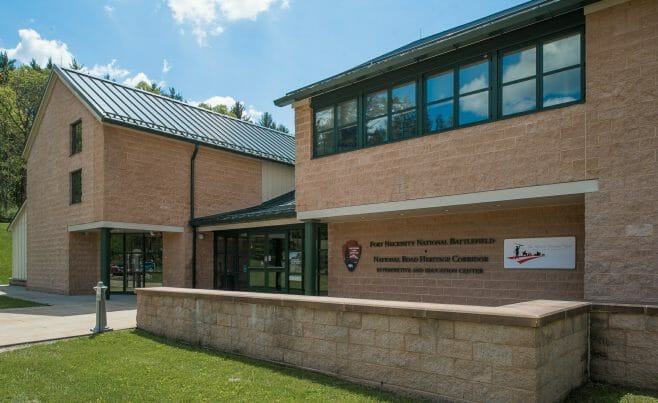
{"type": "Point", "coordinates": [279, 207]}
{"type": "Point", "coordinates": [127, 106]}
{"type": "Point", "coordinates": [488, 27]}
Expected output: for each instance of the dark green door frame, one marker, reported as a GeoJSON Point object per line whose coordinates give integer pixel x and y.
{"type": "Point", "coordinates": [105, 259]}
{"type": "Point", "coordinates": [310, 257]}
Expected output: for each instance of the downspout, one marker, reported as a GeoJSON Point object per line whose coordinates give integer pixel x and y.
{"type": "Point", "coordinates": [194, 234]}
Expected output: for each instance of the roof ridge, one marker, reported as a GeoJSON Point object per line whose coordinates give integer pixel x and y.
{"type": "Point", "coordinates": [165, 98]}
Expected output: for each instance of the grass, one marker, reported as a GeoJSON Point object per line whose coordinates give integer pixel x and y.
{"type": "Point", "coordinates": [135, 366]}
{"type": "Point", "coordinates": [8, 302]}
{"type": "Point", "coordinates": [5, 254]}
{"type": "Point", "coordinates": [603, 393]}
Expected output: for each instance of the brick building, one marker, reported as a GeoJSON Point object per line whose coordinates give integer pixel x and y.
{"type": "Point", "coordinates": [509, 159]}
{"type": "Point", "coordinates": [512, 158]}
{"type": "Point", "coordinates": [115, 174]}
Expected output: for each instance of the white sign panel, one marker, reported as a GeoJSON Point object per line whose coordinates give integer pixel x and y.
{"type": "Point", "coordinates": [540, 253]}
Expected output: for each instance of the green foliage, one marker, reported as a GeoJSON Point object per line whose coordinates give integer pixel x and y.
{"type": "Point", "coordinates": [149, 87]}
{"type": "Point", "coordinates": [5, 254]}
{"type": "Point", "coordinates": [173, 94]}
{"type": "Point", "coordinates": [238, 110]}
{"type": "Point", "coordinates": [135, 366]}
{"type": "Point", "coordinates": [222, 109]}
{"type": "Point", "coordinates": [75, 65]}
{"type": "Point", "coordinates": [267, 121]}
{"type": "Point", "coordinates": [20, 95]}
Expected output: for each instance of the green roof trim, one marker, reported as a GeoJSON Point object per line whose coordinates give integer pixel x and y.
{"type": "Point", "coordinates": [279, 207]}
{"type": "Point", "coordinates": [444, 42]}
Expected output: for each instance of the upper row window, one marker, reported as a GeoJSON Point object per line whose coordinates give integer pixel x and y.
{"type": "Point", "coordinates": [537, 76]}
{"type": "Point", "coordinates": [76, 137]}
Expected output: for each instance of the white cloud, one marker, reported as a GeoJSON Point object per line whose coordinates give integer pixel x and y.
{"type": "Point", "coordinates": [100, 70]}
{"type": "Point", "coordinates": [165, 66]}
{"type": "Point", "coordinates": [235, 10]}
{"type": "Point", "coordinates": [206, 16]}
{"type": "Point", "coordinates": [109, 10]}
{"type": "Point", "coordinates": [473, 85]}
{"type": "Point", "coordinates": [134, 80]}
{"type": "Point", "coordinates": [33, 46]}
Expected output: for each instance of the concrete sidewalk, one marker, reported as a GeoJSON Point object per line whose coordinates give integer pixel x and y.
{"type": "Point", "coordinates": [67, 316]}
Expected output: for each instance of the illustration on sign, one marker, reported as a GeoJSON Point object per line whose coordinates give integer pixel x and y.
{"type": "Point", "coordinates": [352, 254]}
{"type": "Point", "coordinates": [540, 253]}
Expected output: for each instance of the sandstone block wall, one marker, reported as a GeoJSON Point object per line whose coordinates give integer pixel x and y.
{"type": "Point", "coordinates": [532, 352]}
{"type": "Point", "coordinates": [624, 345]}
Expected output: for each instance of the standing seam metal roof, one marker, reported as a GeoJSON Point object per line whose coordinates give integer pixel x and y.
{"type": "Point", "coordinates": [127, 106]}
{"type": "Point", "coordinates": [282, 206]}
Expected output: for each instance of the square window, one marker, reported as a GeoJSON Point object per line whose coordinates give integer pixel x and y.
{"type": "Point", "coordinates": [76, 137]}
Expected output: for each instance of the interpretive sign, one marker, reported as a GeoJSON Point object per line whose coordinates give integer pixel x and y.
{"type": "Point", "coordinates": [540, 253]}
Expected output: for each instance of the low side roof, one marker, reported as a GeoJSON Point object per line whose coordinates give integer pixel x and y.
{"type": "Point", "coordinates": [279, 207]}
{"type": "Point", "coordinates": [127, 106]}
{"type": "Point", "coordinates": [443, 42]}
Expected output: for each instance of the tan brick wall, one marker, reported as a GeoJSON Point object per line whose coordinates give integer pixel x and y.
{"type": "Point", "coordinates": [624, 345]}
{"type": "Point", "coordinates": [622, 138]}
{"type": "Point", "coordinates": [385, 347]}
{"type": "Point", "coordinates": [48, 190]}
{"type": "Point", "coordinates": [84, 262]}
{"type": "Point", "coordinates": [495, 286]}
{"type": "Point", "coordinates": [128, 176]}
{"type": "Point", "coordinates": [479, 158]}
{"type": "Point", "coordinates": [613, 137]}
{"type": "Point", "coordinates": [205, 261]}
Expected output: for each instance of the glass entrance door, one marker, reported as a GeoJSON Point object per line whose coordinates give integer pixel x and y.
{"type": "Point", "coordinates": [230, 262]}
{"type": "Point", "coordinates": [135, 261]}
{"type": "Point", "coordinates": [268, 263]}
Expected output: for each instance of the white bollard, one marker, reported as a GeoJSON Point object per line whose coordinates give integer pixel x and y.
{"type": "Point", "coordinates": [101, 314]}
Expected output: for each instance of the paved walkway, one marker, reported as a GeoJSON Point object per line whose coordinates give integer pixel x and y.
{"type": "Point", "coordinates": [67, 316]}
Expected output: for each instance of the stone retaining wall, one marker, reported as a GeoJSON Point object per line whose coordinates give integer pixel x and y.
{"type": "Point", "coordinates": [528, 352]}
{"type": "Point", "coordinates": [624, 344]}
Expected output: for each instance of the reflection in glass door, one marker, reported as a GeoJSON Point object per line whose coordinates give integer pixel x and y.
{"type": "Point", "coordinates": [276, 261]}
{"type": "Point", "coordinates": [230, 262]}
{"type": "Point", "coordinates": [135, 261]}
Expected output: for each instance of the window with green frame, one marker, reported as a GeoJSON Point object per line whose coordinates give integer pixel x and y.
{"type": "Point", "coordinates": [501, 83]}
{"type": "Point", "coordinates": [76, 186]}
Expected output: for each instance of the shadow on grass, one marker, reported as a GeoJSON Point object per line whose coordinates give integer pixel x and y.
{"type": "Point", "coordinates": [603, 393]}
{"type": "Point", "coordinates": [10, 303]}
{"type": "Point", "coordinates": [300, 374]}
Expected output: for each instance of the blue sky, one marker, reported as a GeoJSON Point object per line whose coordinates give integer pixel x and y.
{"type": "Point", "coordinates": [250, 50]}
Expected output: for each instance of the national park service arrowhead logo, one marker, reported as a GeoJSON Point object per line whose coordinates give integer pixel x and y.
{"type": "Point", "coordinates": [352, 254]}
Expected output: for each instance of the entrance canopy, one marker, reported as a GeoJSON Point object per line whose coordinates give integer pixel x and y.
{"type": "Point", "coordinates": [277, 211]}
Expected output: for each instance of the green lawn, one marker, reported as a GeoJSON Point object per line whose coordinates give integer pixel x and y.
{"type": "Point", "coordinates": [5, 254]}
{"type": "Point", "coordinates": [8, 302]}
{"type": "Point", "coordinates": [134, 366]}
{"type": "Point", "coordinates": [602, 393]}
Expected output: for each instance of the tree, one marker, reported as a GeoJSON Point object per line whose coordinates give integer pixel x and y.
{"type": "Point", "coordinates": [6, 65]}
{"type": "Point", "coordinates": [20, 97]}
{"type": "Point", "coordinates": [171, 93]}
{"type": "Point", "coordinates": [221, 109]}
{"type": "Point", "coordinates": [282, 128]}
{"type": "Point", "coordinates": [149, 87]}
{"type": "Point", "coordinates": [238, 111]}
{"type": "Point", "coordinates": [267, 121]}
{"type": "Point", "coordinates": [75, 66]}
{"type": "Point", "coordinates": [49, 65]}
{"type": "Point", "coordinates": [34, 65]}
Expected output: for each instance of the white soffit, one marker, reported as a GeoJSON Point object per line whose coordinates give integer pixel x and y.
{"type": "Point", "coordinates": [124, 226]}
{"type": "Point", "coordinates": [559, 193]}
